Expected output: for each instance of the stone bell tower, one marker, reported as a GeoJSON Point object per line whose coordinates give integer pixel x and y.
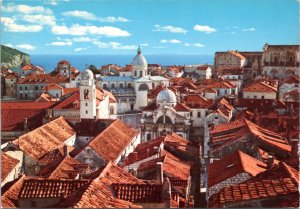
{"type": "Point", "coordinates": [87, 90]}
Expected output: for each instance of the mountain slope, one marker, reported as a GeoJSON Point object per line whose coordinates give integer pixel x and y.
{"type": "Point", "coordinates": [12, 57]}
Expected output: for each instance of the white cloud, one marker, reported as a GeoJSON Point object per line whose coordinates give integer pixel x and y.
{"type": "Point", "coordinates": [80, 30]}
{"type": "Point", "coordinates": [40, 19]}
{"type": "Point", "coordinates": [51, 2]}
{"type": "Point", "coordinates": [11, 26]}
{"type": "Point", "coordinates": [194, 44]}
{"type": "Point", "coordinates": [249, 29]}
{"type": "Point", "coordinates": [114, 45]}
{"type": "Point", "coordinates": [25, 9]}
{"type": "Point", "coordinates": [172, 41]}
{"type": "Point", "coordinates": [112, 19]}
{"type": "Point", "coordinates": [26, 46]}
{"type": "Point", "coordinates": [79, 49]}
{"type": "Point", "coordinates": [81, 14]}
{"type": "Point", "coordinates": [204, 28]}
{"type": "Point", "coordinates": [84, 39]}
{"type": "Point", "coordinates": [170, 29]}
{"type": "Point", "coordinates": [145, 44]}
{"type": "Point", "coordinates": [61, 43]}
{"type": "Point", "coordinates": [63, 39]}
{"type": "Point", "coordinates": [160, 47]}
{"type": "Point", "coordinates": [9, 45]}
{"type": "Point", "coordinates": [90, 16]}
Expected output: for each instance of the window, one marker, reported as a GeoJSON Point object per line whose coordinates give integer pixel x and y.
{"type": "Point", "coordinates": [131, 106]}
{"type": "Point", "coordinates": [86, 104]}
{"type": "Point", "coordinates": [21, 88]}
{"type": "Point", "coordinates": [25, 87]}
{"type": "Point", "coordinates": [148, 136]}
{"type": "Point", "coordinates": [104, 85]}
{"type": "Point", "coordinates": [191, 114]}
{"type": "Point", "coordinates": [216, 118]}
{"type": "Point", "coordinates": [255, 97]}
{"type": "Point", "coordinates": [153, 85]}
{"type": "Point", "coordinates": [135, 73]}
{"type": "Point", "coordinates": [296, 85]}
{"type": "Point", "coordinates": [113, 86]}
{"type": "Point", "coordinates": [262, 97]}
{"type": "Point", "coordinates": [199, 114]}
{"type": "Point", "coordinates": [129, 85]}
{"type": "Point", "coordinates": [36, 88]}
{"type": "Point", "coordinates": [225, 91]}
{"type": "Point", "coordinates": [57, 95]}
{"type": "Point", "coordinates": [11, 79]}
{"type": "Point", "coordinates": [86, 112]}
{"type": "Point", "coordinates": [121, 85]}
{"type": "Point", "coordinates": [141, 73]}
{"type": "Point", "coordinates": [112, 110]}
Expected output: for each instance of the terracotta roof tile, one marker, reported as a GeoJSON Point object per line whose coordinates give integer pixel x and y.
{"type": "Point", "coordinates": [294, 79]}
{"type": "Point", "coordinates": [11, 76]}
{"type": "Point", "coordinates": [8, 163]}
{"type": "Point", "coordinates": [197, 101]}
{"type": "Point", "coordinates": [233, 164]}
{"type": "Point", "coordinates": [69, 90]}
{"type": "Point", "coordinates": [44, 97]}
{"type": "Point", "coordinates": [99, 194]}
{"type": "Point", "coordinates": [46, 138]}
{"type": "Point", "coordinates": [27, 67]}
{"type": "Point", "coordinates": [264, 189]}
{"type": "Point", "coordinates": [138, 193]}
{"type": "Point", "coordinates": [53, 188]}
{"type": "Point", "coordinates": [43, 79]}
{"type": "Point", "coordinates": [173, 167]}
{"type": "Point", "coordinates": [9, 198]}
{"type": "Point", "coordinates": [110, 143]}
{"type": "Point", "coordinates": [13, 114]}
{"type": "Point", "coordinates": [181, 107]}
{"type": "Point", "coordinates": [259, 87]}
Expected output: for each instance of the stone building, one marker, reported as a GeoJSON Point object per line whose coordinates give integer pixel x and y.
{"type": "Point", "coordinates": [166, 115]}
{"type": "Point", "coordinates": [228, 59]}
{"type": "Point", "coordinates": [280, 61]}
{"type": "Point", "coordinates": [260, 90]}
{"type": "Point", "coordinates": [11, 85]}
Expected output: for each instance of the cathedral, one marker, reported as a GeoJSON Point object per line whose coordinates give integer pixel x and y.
{"type": "Point", "coordinates": [131, 89]}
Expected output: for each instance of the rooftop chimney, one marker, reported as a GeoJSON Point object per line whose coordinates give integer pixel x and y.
{"type": "Point", "coordinates": [159, 172]}
{"type": "Point", "coordinates": [270, 161]}
{"type": "Point", "coordinates": [65, 148]}
{"type": "Point", "coordinates": [25, 124]}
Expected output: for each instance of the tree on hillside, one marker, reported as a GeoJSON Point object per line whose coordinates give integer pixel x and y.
{"type": "Point", "coordinates": [93, 69]}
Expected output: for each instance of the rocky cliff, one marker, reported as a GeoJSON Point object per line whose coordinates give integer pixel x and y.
{"type": "Point", "coordinates": [12, 58]}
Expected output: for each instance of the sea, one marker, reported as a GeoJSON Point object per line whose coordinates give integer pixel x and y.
{"type": "Point", "coordinates": [49, 62]}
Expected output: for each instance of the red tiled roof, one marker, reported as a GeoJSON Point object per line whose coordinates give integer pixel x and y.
{"type": "Point", "coordinates": [151, 107]}
{"type": "Point", "coordinates": [99, 194]}
{"type": "Point", "coordinates": [138, 193]}
{"type": "Point", "coordinates": [264, 189]}
{"type": "Point", "coordinates": [197, 101]}
{"type": "Point", "coordinates": [172, 166]}
{"type": "Point", "coordinates": [64, 62]}
{"type": "Point", "coordinates": [43, 79]}
{"type": "Point", "coordinates": [9, 198]}
{"type": "Point", "coordinates": [50, 188]}
{"type": "Point", "coordinates": [110, 143]}
{"type": "Point", "coordinates": [181, 107]}
{"type": "Point", "coordinates": [53, 86]}
{"type": "Point", "coordinates": [216, 84]}
{"type": "Point", "coordinates": [13, 114]}
{"type": "Point", "coordinates": [8, 163]}
{"type": "Point", "coordinates": [203, 68]}
{"type": "Point", "coordinates": [260, 103]}
{"type": "Point", "coordinates": [236, 129]}
{"type": "Point", "coordinates": [69, 90]}
{"type": "Point", "coordinates": [44, 97]}
{"type": "Point", "coordinates": [260, 87]}
{"type": "Point", "coordinates": [68, 103]}
{"type": "Point", "coordinates": [294, 79]}
{"type": "Point", "coordinates": [233, 164]}
{"type": "Point", "coordinates": [27, 67]}
{"type": "Point", "coordinates": [46, 138]}
{"type": "Point", "coordinates": [11, 76]}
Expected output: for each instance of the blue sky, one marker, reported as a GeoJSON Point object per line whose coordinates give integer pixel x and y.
{"type": "Point", "coordinates": [160, 27]}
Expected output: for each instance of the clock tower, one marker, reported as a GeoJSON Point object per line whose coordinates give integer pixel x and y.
{"type": "Point", "coordinates": [87, 95]}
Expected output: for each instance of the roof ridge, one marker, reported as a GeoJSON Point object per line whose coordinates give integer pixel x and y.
{"type": "Point", "coordinates": [289, 170]}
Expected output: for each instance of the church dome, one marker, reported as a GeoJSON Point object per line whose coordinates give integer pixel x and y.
{"type": "Point", "coordinates": [166, 96]}
{"type": "Point", "coordinates": [87, 74]}
{"type": "Point", "coordinates": [139, 59]}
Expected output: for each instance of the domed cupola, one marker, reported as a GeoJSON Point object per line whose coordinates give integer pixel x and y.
{"type": "Point", "coordinates": [139, 65]}
{"type": "Point", "coordinates": [166, 96]}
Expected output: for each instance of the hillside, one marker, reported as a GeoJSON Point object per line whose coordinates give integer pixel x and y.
{"type": "Point", "coordinates": [12, 57]}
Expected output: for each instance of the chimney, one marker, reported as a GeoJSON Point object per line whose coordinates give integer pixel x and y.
{"type": "Point", "coordinates": [159, 172]}
{"type": "Point", "coordinates": [65, 148]}
{"type": "Point", "coordinates": [156, 151]}
{"type": "Point", "coordinates": [270, 161]}
{"type": "Point", "coordinates": [25, 124]}
{"type": "Point", "coordinates": [166, 192]}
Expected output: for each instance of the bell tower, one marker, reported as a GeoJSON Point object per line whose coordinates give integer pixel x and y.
{"type": "Point", "coordinates": [87, 90]}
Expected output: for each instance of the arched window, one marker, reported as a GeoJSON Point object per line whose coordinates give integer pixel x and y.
{"type": "Point", "coordinates": [105, 86]}
{"type": "Point", "coordinates": [135, 73]}
{"type": "Point", "coordinates": [113, 86]}
{"type": "Point", "coordinates": [112, 110]}
{"type": "Point", "coordinates": [129, 85]}
{"type": "Point", "coordinates": [161, 119]}
{"type": "Point", "coordinates": [121, 85]}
